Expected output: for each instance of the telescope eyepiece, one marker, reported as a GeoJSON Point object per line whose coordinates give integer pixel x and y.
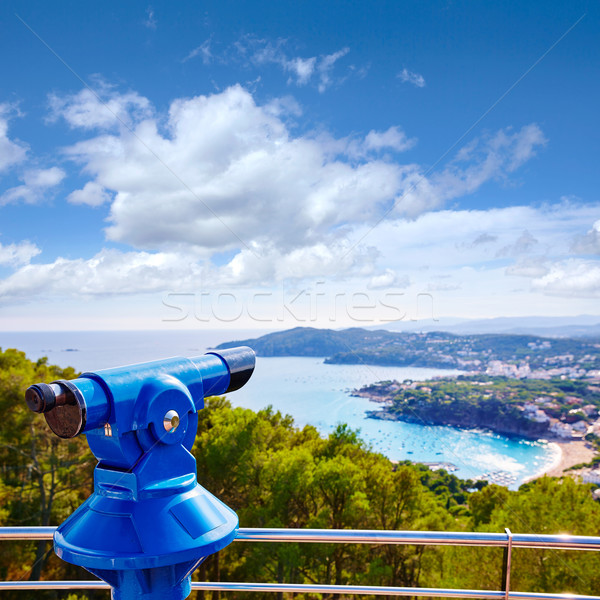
{"type": "Point", "coordinates": [43, 397]}
{"type": "Point", "coordinates": [40, 397]}
{"type": "Point", "coordinates": [62, 404]}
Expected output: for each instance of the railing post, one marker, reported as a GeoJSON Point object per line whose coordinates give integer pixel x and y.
{"type": "Point", "coordinates": [506, 564]}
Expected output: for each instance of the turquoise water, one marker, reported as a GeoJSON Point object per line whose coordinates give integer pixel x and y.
{"type": "Point", "coordinates": [318, 394]}
{"type": "Point", "coordinates": [307, 389]}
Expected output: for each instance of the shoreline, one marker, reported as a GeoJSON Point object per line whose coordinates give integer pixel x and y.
{"type": "Point", "coordinates": [568, 454]}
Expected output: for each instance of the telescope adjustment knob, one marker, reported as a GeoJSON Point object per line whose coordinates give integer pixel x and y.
{"type": "Point", "coordinates": [171, 421]}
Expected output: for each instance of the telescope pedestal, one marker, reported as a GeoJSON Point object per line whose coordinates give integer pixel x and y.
{"type": "Point", "coordinates": [164, 583]}
{"type": "Point", "coordinates": [146, 543]}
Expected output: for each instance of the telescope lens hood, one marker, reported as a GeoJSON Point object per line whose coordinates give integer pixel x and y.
{"type": "Point", "coordinates": [240, 362]}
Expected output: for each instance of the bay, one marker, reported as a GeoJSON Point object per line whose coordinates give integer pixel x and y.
{"type": "Point", "coordinates": [312, 392]}
{"type": "Point", "coordinates": [318, 394]}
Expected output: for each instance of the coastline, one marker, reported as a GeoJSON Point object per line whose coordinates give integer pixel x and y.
{"type": "Point", "coordinates": [568, 453]}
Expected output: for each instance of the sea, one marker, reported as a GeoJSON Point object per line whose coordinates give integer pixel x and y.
{"type": "Point", "coordinates": [313, 393]}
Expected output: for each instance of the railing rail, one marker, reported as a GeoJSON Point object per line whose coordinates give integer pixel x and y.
{"type": "Point", "coordinates": [372, 536]}
{"type": "Point", "coordinates": [363, 590]}
{"type": "Point", "coordinates": [507, 540]}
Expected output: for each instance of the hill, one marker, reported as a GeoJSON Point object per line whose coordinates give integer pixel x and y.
{"type": "Point", "coordinates": [497, 354]}
{"type": "Point", "coordinates": [553, 327]}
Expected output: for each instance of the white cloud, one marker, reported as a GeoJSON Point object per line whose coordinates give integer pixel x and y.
{"type": "Point", "coordinates": [112, 272]}
{"type": "Point", "coordinates": [92, 194]}
{"type": "Point", "coordinates": [416, 79]}
{"type": "Point", "coordinates": [436, 240]}
{"type": "Point", "coordinates": [296, 204]}
{"type": "Point", "coordinates": [532, 267]}
{"type": "Point", "coordinates": [240, 160]}
{"type": "Point", "coordinates": [109, 272]}
{"type": "Point", "coordinates": [266, 264]}
{"type": "Point", "coordinates": [524, 244]}
{"type": "Point", "coordinates": [325, 67]}
{"type": "Point", "coordinates": [443, 286]}
{"type": "Point", "coordinates": [36, 183]}
{"type": "Point", "coordinates": [484, 238]}
{"type": "Point", "coordinates": [431, 247]}
{"type": "Point", "coordinates": [99, 109]}
{"type": "Point", "coordinates": [394, 139]}
{"type": "Point", "coordinates": [361, 148]}
{"type": "Point", "coordinates": [283, 107]}
{"type": "Point", "coordinates": [262, 52]}
{"type": "Point", "coordinates": [239, 169]}
{"type": "Point", "coordinates": [18, 254]}
{"type": "Point", "coordinates": [150, 20]}
{"type": "Point", "coordinates": [12, 152]}
{"type": "Point", "coordinates": [422, 255]}
{"type": "Point", "coordinates": [571, 278]}
{"type": "Point", "coordinates": [590, 242]}
{"type": "Point", "coordinates": [388, 279]}
{"type": "Point", "coordinates": [302, 69]}
{"type": "Point", "coordinates": [523, 145]}
{"type": "Point", "coordinates": [204, 51]}
{"type": "Point", "coordinates": [486, 159]}
{"type": "Point", "coordinates": [43, 178]}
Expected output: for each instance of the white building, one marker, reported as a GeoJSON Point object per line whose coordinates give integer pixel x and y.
{"type": "Point", "coordinates": [580, 426]}
{"type": "Point", "coordinates": [592, 476]}
{"type": "Point", "coordinates": [562, 430]}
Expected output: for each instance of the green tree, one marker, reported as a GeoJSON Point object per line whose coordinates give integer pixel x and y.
{"type": "Point", "coordinates": [484, 502]}
{"type": "Point", "coordinates": [550, 506]}
{"type": "Point", "coordinates": [42, 478]}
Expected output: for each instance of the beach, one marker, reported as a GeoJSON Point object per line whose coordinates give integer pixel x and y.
{"type": "Point", "coordinates": [568, 454]}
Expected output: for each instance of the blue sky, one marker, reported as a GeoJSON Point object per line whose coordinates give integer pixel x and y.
{"type": "Point", "coordinates": [267, 164]}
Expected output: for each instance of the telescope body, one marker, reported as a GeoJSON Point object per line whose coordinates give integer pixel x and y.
{"type": "Point", "coordinates": [149, 523]}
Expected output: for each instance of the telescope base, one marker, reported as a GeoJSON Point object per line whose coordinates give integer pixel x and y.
{"type": "Point", "coordinates": [146, 549]}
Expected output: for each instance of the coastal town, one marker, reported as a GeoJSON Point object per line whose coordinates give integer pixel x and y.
{"type": "Point", "coordinates": [558, 365]}
{"type": "Point", "coordinates": [508, 355]}
{"type": "Point", "coordinates": [565, 413]}
{"type": "Point", "coordinates": [518, 356]}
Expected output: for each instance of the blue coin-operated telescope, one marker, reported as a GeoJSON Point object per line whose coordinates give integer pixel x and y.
{"type": "Point", "coordinates": [149, 523]}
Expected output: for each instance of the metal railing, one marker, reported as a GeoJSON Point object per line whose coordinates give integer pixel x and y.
{"type": "Point", "coordinates": [507, 540]}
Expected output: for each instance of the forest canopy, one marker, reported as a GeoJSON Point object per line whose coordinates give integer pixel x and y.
{"type": "Point", "coordinates": [274, 474]}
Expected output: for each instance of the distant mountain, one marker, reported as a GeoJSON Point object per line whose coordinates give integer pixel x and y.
{"type": "Point", "coordinates": [553, 327]}
{"type": "Point", "coordinates": [308, 341]}
{"type": "Point", "coordinates": [522, 354]}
